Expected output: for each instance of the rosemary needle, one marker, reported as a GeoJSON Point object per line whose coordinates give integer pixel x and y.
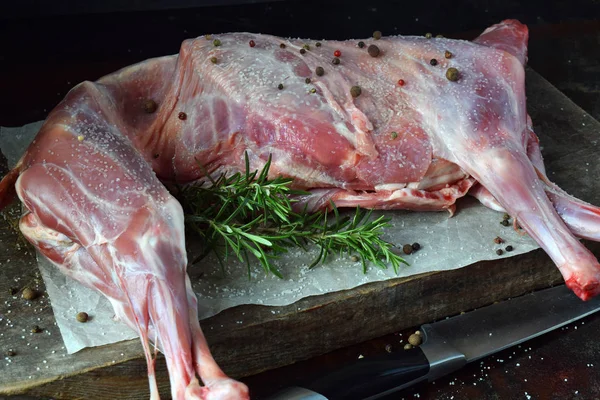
{"type": "Point", "coordinates": [248, 214]}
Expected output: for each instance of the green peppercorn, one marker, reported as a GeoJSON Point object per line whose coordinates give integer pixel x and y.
{"type": "Point", "coordinates": [29, 294]}
{"type": "Point", "coordinates": [428, 35]}
{"type": "Point", "coordinates": [452, 74]}
{"type": "Point", "coordinates": [447, 54]}
{"type": "Point", "coordinates": [207, 37]}
{"type": "Point", "coordinates": [302, 51]}
{"type": "Point", "coordinates": [213, 60]}
{"type": "Point", "coordinates": [216, 42]}
{"type": "Point", "coordinates": [433, 62]}
{"type": "Point", "coordinates": [280, 86]}
{"type": "Point", "coordinates": [82, 317]}
{"type": "Point", "coordinates": [509, 248]}
{"type": "Point", "coordinates": [377, 35]}
{"type": "Point", "coordinates": [407, 249]}
{"type": "Point", "coordinates": [506, 216]}
{"type": "Point", "coordinates": [313, 90]}
{"type": "Point", "coordinates": [394, 135]}
{"type": "Point", "coordinates": [355, 91]}
{"type": "Point", "coordinates": [150, 106]}
{"type": "Point", "coordinates": [335, 61]}
{"type": "Point", "coordinates": [361, 44]}
{"type": "Point", "coordinates": [499, 252]}
{"type": "Point", "coordinates": [307, 80]}
{"type": "Point", "coordinates": [318, 44]}
{"type": "Point", "coordinates": [373, 50]}
{"type": "Point", "coordinates": [282, 45]}
{"type": "Point", "coordinates": [439, 36]}
{"type": "Point", "coordinates": [505, 222]}
{"type": "Point", "coordinates": [306, 47]}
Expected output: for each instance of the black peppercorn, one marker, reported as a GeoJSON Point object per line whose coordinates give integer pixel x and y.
{"type": "Point", "coordinates": [150, 106]}
{"type": "Point", "coordinates": [416, 246]}
{"type": "Point", "coordinates": [335, 61]}
{"type": "Point", "coordinates": [282, 45]}
{"type": "Point", "coordinates": [307, 80]}
{"type": "Point", "coordinates": [361, 44]}
{"type": "Point", "coordinates": [182, 116]}
{"type": "Point", "coordinates": [509, 248]}
{"type": "Point", "coordinates": [373, 50]}
{"type": "Point", "coordinates": [499, 252]}
{"type": "Point", "coordinates": [505, 222]}
{"type": "Point", "coordinates": [319, 71]}
{"type": "Point", "coordinates": [355, 91]}
{"type": "Point", "coordinates": [318, 44]}
{"type": "Point", "coordinates": [280, 86]}
{"type": "Point", "coordinates": [433, 62]}
{"type": "Point", "coordinates": [302, 51]}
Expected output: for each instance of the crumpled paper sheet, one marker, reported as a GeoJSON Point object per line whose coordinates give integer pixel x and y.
{"type": "Point", "coordinates": [447, 243]}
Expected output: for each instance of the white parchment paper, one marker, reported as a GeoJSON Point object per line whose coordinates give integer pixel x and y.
{"type": "Point", "coordinates": [447, 243]}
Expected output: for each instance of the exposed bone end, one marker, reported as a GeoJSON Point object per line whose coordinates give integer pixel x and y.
{"type": "Point", "coordinates": [585, 291]}
{"type": "Point", "coordinates": [225, 389]}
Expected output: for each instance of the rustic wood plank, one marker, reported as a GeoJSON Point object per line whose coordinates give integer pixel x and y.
{"type": "Point", "coordinates": [309, 327]}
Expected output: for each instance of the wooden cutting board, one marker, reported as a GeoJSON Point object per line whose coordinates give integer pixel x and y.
{"type": "Point", "coordinates": [275, 336]}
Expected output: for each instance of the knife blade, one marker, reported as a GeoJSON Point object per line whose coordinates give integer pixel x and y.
{"type": "Point", "coordinates": [448, 345]}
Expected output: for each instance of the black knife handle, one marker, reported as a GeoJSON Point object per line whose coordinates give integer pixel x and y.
{"type": "Point", "coordinates": [372, 376]}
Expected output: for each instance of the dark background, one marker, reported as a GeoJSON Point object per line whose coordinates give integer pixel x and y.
{"type": "Point", "coordinates": [46, 47]}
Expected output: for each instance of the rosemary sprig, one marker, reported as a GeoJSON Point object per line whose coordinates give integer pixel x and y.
{"type": "Point", "coordinates": [248, 214]}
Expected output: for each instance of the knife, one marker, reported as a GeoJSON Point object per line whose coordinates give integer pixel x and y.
{"type": "Point", "coordinates": [448, 345]}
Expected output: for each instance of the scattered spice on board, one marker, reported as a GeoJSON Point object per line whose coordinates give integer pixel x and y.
{"type": "Point", "coordinates": [150, 106]}
{"type": "Point", "coordinates": [82, 316]}
{"type": "Point", "coordinates": [29, 294]}
{"type": "Point", "coordinates": [373, 50]}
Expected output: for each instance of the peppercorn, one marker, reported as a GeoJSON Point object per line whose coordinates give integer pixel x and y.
{"type": "Point", "coordinates": [361, 44]}
{"type": "Point", "coordinates": [207, 37]}
{"type": "Point", "coordinates": [416, 246]}
{"type": "Point", "coordinates": [29, 294]}
{"type": "Point", "coordinates": [252, 43]}
{"type": "Point", "coordinates": [10, 353]}
{"type": "Point", "coordinates": [408, 346]}
{"type": "Point", "coordinates": [213, 60]}
{"type": "Point", "coordinates": [318, 44]}
{"type": "Point", "coordinates": [509, 248]}
{"type": "Point", "coordinates": [394, 135]}
{"type": "Point", "coordinates": [280, 86]}
{"type": "Point", "coordinates": [82, 316]}
{"type": "Point", "coordinates": [36, 329]}
{"type": "Point", "coordinates": [337, 53]}
{"type": "Point", "coordinates": [433, 62]}
{"type": "Point", "coordinates": [335, 61]}
{"type": "Point", "coordinates": [216, 42]}
{"type": "Point", "coordinates": [415, 339]}
{"type": "Point", "coordinates": [439, 36]}
{"type": "Point", "coordinates": [428, 35]}
{"type": "Point", "coordinates": [447, 54]}
{"type": "Point", "coordinates": [282, 45]}
{"type": "Point", "coordinates": [355, 258]}
{"type": "Point", "coordinates": [505, 222]}
{"type": "Point", "coordinates": [302, 51]}
{"type": "Point", "coordinates": [156, 155]}
{"type": "Point", "coordinates": [498, 240]}
{"type": "Point", "coordinates": [401, 82]}
{"type": "Point", "coordinates": [313, 90]}
{"type": "Point", "coordinates": [150, 106]}
{"type": "Point", "coordinates": [377, 35]}
{"type": "Point", "coordinates": [307, 80]}
{"type": "Point", "coordinates": [306, 47]}
{"type": "Point", "coordinates": [182, 116]}
{"type": "Point", "coordinates": [355, 91]}
{"type": "Point", "coordinates": [388, 348]}
{"type": "Point", "coordinates": [319, 71]}
{"type": "Point", "coordinates": [506, 216]}
{"type": "Point", "coordinates": [13, 291]}
{"type": "Point", "coordinates": [407, 249]}
{"type": "Point", "coordinates": [499, 252]}
{"type": "Point", "coordinates": [373, 50]}
{"type": "Point", "coordinates": [452, 74]}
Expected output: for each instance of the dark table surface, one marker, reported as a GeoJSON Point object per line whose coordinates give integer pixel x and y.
{"type": "Point", "coordinates": [42, 58]}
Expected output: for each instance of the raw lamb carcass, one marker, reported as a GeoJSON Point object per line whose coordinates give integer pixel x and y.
{"type": "Point", "coordinates": [418, 136]}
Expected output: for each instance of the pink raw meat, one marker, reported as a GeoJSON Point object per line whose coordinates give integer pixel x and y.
{"type": "Point", "coordinates": [91, 180]}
